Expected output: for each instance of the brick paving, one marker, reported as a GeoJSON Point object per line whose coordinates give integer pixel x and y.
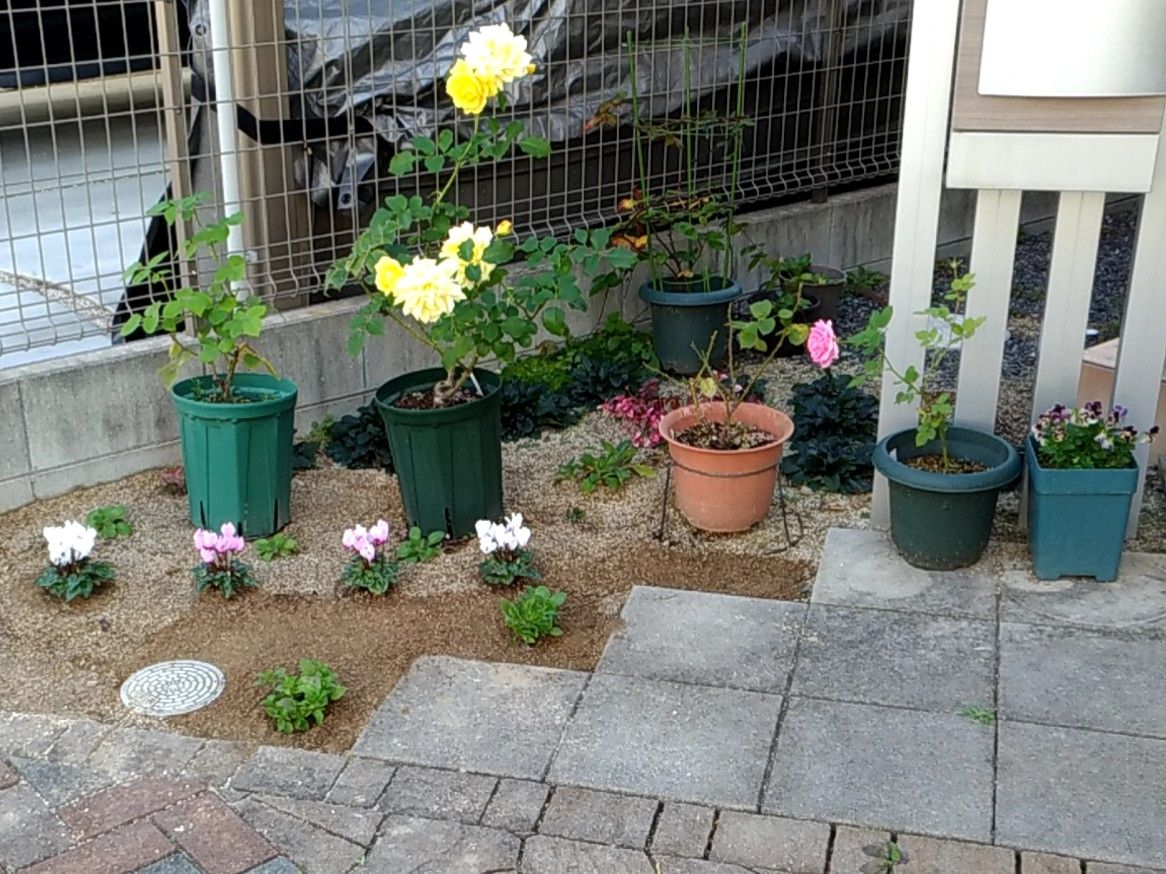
{"type": "Point", "coordinates": [735, 765]}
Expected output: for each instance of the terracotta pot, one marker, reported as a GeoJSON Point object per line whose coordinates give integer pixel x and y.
{"type": "Point", "coordinates": [725, 490]}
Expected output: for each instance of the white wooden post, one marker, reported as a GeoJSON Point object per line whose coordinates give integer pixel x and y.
{"type": "Point", "coordinates": [925, 127]}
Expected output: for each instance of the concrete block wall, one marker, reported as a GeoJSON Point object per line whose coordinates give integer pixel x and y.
{"type": "Point", "coordinates": [98, 416]}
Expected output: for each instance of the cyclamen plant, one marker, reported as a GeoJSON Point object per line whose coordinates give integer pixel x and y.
{"type": "Point", "coordinates": [372, 566]}
{"type": "Point", "coordinates": [220, 568]}
{"type": "Point", "coordinates": [71, 572]}
{"type": "Point", "coordinates": [1085, 438]}
{"type": "Point", "coordinates": [443, 278]}
{"type": "Point", "coordinates": [504, 545]}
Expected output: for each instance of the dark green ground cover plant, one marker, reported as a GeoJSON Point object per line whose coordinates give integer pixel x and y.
{"type": "Point", "coordinates": [278, 545]}
{"type": "Point", "coordinates": [359, 441]}
{"type": "Point", "coordinates": [109, 522]}
{"type": "Point", "coordinates": [835, 426]}
{"type": "Point", "coordinates": [298, 701]}
{"type": "Point", "coordinates": [533, 614]}
{"type": "Point", "coordinates": [417, 547]}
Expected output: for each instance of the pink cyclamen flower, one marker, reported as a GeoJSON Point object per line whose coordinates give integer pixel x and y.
{"type": "Point", "coordinates": [208, 556]}
{"type": "Point", "coordinates": [228, 541]}
{"type": "Point", "coordinates": [822, 343]}
{"type": "Point", "coordinates": [204, 540]}
{"type": "Point", "coordinates": [366, 549]}
{"type": "Point", "coordinates": [379, 533]}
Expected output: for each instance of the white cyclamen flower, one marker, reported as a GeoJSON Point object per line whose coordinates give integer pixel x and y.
{"type": "Point", "coordinates": [519, 534]}
{"type": "Point", "coordinates": [486, 540]}
{"type": "Point", "coordinates": [69, 542]}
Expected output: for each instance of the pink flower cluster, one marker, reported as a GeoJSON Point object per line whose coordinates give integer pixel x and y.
{"type": "Point", "coordinates": [822, 344]}
{"type": "Point", "coordinates": [215, 547]}
{"type": "Point", "coordinates": [642, 412]}
{"type": "Point", "coordinates": [365, 541]}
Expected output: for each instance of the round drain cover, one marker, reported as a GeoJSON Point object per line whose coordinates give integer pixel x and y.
{"type": "Point", "coordinates": [172, 688]}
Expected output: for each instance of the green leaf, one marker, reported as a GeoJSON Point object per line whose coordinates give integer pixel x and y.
{"type": "Point", "coordinates": [536, 147]}
{"type": "Point", "coordinates": [555, 322]}
{"type": "Point", "coordinates": [435, 163]}
{"type": "Point", "coordinates": [402, 163]}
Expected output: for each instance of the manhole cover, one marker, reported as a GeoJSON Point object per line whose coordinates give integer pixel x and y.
{"type": "Point", "coordinates": [172, 688]}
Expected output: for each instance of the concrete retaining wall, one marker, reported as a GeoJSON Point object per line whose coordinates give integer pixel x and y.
{"type": "Point", "coordinates": [98, 416]}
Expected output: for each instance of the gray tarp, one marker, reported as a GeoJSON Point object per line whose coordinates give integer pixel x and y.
{"type": "Point", "coordinates": [383, 60]}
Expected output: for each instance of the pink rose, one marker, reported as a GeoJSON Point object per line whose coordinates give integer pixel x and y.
{"type": "Point", "coordinates": [822, 344]}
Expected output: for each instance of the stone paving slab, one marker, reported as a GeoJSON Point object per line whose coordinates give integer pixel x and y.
{"type": "Point", "coordinates": [547, 855]}
{"type": "Point", "coordinates": [1043, 863]}
{"type": "Point", "coordinates": [669, 740]}
{"type": "Point", "coordinates": [492, 718]}
{"type": "Point", "coordinates": [1082, 793]}
{"type": "Point", "coordinates": [361, 783]}
{"type": "Point", "coordinates": [1086, 679]}
{"type": "Point", "coordinates": [127, 848]}
{"type": "Point", "coordinates": [291, 772]}
{"type": "Point", "coordinates": [423, 845]}
{"type": "Point", "coordinates": [862, 569]}
{"type": "Point", "coordinates": [434, 793]}
{"type": "Point", "coordinates": [855, 849]}
{"type": "Point", "coordinates": [29, 830]}
{"type": "Point", "coordinates": [882, 657]}
{"type": "Point", "coordinates": [59, 783]}
{"type": "Point", "coordinates": [683, 830]}
{"type": "Point", "coordinates": [882, 766]}
{"type": "Point", "coordinates": [141, 752]}
{"type": "Point", "coordinates": [516, 805]}
{"type": "Point", "coordinates": [352, 824]}
{"type": "Point", "coordinates": [682, 865]}
{"type": "Point", "coordinates": [700, 637]}
{"type": "Point", "coordinates": [933, 856]}
{"type": "Point", "coordinates": [771, 842]}
{"type": "Point", "coordinates": [1136, 601]}
{"type": "Point", "coordinates": [599, 817]}
{"type": "Point", "coordinates": [309, 847]}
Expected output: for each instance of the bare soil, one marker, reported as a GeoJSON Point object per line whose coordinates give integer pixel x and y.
{"type": "Point", "coordinates": [936, 464]}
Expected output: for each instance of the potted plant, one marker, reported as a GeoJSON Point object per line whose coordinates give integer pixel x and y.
{"type": "Point", "coordinates": [1082, 475]}
{"type": "Point", "coordinates": [684, 234]}
{"type": "Point", "coordinates": [944, 480]}
{"type": "Point", "coordinates": [725, 447]}
{"type": "Point", "coordinates": [445, 281]}
{"type": "Point", "coordinates": [825, 283]}
{"type": "Point", "coordinates": [795, 288]}
{"type": "Point", "coordinates": [236, 428]}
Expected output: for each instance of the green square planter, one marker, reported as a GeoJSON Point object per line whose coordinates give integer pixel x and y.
{"type": "Point", "coordinates": [1077, 519]}
{"type": "Point", "coordinates": [238, 457]}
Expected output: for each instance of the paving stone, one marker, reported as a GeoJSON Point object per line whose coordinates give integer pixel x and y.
{"type": "Point", "coordinates": [1104, 868]}
{"type": "Point", "coordinates": [28, 735]}
{"type": "Point", "coordinates": [214, 835]}
{"type": "Point", "coordinates": [216, 762]}
{"type": "Point", "coordinates": [422, 845]}
{"type": "Point", "coordinates": [441, 794]}
{"type": "Point", "coordinates": [857, 850]}
{"type": "Point", "coordinates": [682, 865]}
{"type": "Point", "coordinates": [58, 782]}
{"type": "Point", "coordinates": [361, 782]}
{"type": "Point", "coordinates": [934, 856]}
{"type": "Point", "coordinates": [1084, 679]}
{"type": "Point", "coordinates": [128, 848]}
{"type": "Point", "coordinates": [290, 772]}
{"type": "Point", "coordinates": [494, 718]}
{"type": "Point", "coordinates": [516, 805]}
{"type": "Point", "coordinates": [899, 769]}
{"type": "Point", "coordinates": [682, 830]}
{"type": "Point", "coordinates": [601, 817]}
{"type": "Point", "coordinates": [1082, 793]}
{"type": "Point", "coordinates": [1136, 600]}
{"type": "Point", "coordinates": [8, 777]}
{"type": "Point", "coordinates": [278, 865]}
{"type": "Point", "coordinates": [105, 810]}
{"type": "Point", "coordinates": [358, 826]}
{"type": "Point", "coordinates": [178, 863]}
{"type": "Point", "coordinates": [773, 842]}
{"type": "Point", "coordinates": [669, 740]}
{"type": "Point", "coordinates": [884, 657]}
{"type": "Point", "coordinates": [77, 742]}
{"type": "Point", "coordinates": [700, 637]}
{"type": "Point", "coordinates": [29, 831]}
{"type": "Point", "coordinates": [862, 569]}
{"type": "Point", "coordinates": [310, 848]}
{"type": "Point", "coordinates": [546, 855]}
{"type": "Point", "coordinates": [139, 752]}
{"type": "Point", "coordinates": [1042, 863]}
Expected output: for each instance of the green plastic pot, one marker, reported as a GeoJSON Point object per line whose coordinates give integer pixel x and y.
{"type": "Point", "coordinates": [1077, 518]}
{"type": "Point", "coordinates": [238, 457]}
{"type": "Point", "coordinates": [448, 461]}
{"type": "Point", "coordinates": [942, 521]}
{"type": "Point", "coordinates": [684, 319]}
{"type": "Point", "coordinates": [830, 294]}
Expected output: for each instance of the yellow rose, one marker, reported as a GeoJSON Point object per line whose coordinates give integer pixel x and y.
{"type": "Point", "coordinates": [481, 237]}
{"type": "Point", "coordinates": [494, 52]}
{"type": "Point", "coordinates": [389, 270]}
{"type": "Point", "coordinates": [505, 227]}
{"type": "Point", "coordinates": [469, 91]}
{"type": "Point", "coordinates": [428, 289]}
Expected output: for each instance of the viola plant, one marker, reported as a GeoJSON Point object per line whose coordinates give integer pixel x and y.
{"type": "Point", "coordinates": [110, 522]}
{"type": "Point", "coordinates": [505, 546]}
{"type": "Point", "coordinates": [71, 572]}
{"type": "Point", "coordinates": [372, 566]}
{"type": "Point", "coordinates": [298, 701]}
{"type": "Point", "coordinates": [533, 614]}
{"type": "Point", "coordinates": [1087, 438]}
{"type": "Point", "coordinates": [220, 567]}
{"type": "Point", "coordinates": [224, 323]}
{"type": "Point", "coordinates": [948, 326]}
{"type": "Point", "coordinates": [443, 278]}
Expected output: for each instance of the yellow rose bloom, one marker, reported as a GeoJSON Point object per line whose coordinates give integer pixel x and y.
{"type": "Point", "coordinates": [495, 52]}
{"type": "Point", "coordinates": [468, 90]}
{"type": "Point", "coordinates": [389, 270]}
{"type": "Point", "coordinates": [504, 228]}
{"type": "Point", "coordinates": [481, 237]}
{"type": "Point", "coordinates": [428, 289]}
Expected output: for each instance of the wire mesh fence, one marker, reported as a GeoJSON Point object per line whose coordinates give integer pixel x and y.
{"type": "Point", "coordinates": [106, 107]}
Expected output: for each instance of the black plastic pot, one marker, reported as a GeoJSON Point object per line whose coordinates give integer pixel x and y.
{"type": "Point", "coordinates": [684, 318]}
{"type": "Point", "coordinates": [805, 316]}
{"type": "Point", "coordinates": [942, 521]}
{"type": "Point", "coordinates": [829, 294]}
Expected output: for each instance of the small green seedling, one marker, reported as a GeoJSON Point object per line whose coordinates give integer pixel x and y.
{"type": "Point", "coordinates": [278, 545]}
{"type": "Point", "coordinates": [576, 515]}
{"type": "Point", "coordinates": [298, 700]}
{"type": "Point", "coordinates": [110, 522]}
{"type": "Point", "coordinates": [610, 466]}
{"type": "Point", "coordinates": [884, 858]}
{"type": "Point", "coordinates": [982, 715]}
{"type": "Point", "coordinates": [418, 547]}
{"type": "Point", "coordinates": [861, 279]}
{"type": "Point", "coordinates": [533, 614]}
